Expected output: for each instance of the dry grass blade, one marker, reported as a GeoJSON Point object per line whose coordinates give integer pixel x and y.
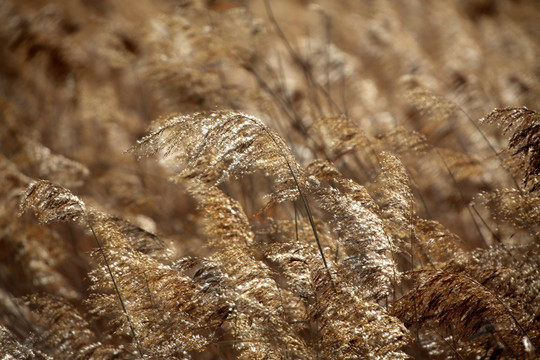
{"type": "Point", "coordinates": [524, 128]}
{"type": "Point", "coordinates": [393, 194]}
{"type": "Point", "coordinates": [35, 158]}
{"type": "Point", "coordinates": [436, 244]}
{"type": "Point", "coordinates": [513, 207]}
{"type": "Point", "coordinates": [138, 239]}
{"type": "Point", "coordinates": [405, 142]}
{"type": "Point", "coordinates": [259, 327]}
{"type": "Point", "coordinates": [452, 300]}
{"type": "Point", "coordinates": [510, 272]}
{"type": "Point", "coordinates": [360, 229]}
{"type": "Point", "coordinates": [210, 147]}
{"type": "Point", "coordinates": [466, 312]}
{"type": "Point", "coordinates": [436, 109]}
{"type": "Point", "coordinates": [63, 331]}
{"type": "Point", "coordinates": [52, 202]}
{"type": "Point", "coordinates": [184, 317]}
{"type": "Point", "coordinates": [350, 326]}
{"type": "Point", "coordinates": [341, 323]}
{"type": "Point", "coordinates": [10, 348]}
{"type": "Point", "coordinates": [339, 136]}
{"type": "Point", "coordinates": [214, 146]}
{"type": "Point", "coordinates": [288, 244]}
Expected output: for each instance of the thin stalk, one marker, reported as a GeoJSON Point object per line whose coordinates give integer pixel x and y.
{"type": "Point", "coordinates": [297, 58]}
{"type": "Point", "coordinates": [454, 180]}
{"type": "Point", "coordinates": [117, 290]}
{"type": "Point", "coordinates": [516, 322]}
{"type": "Point", "coordinates": [306, 207]}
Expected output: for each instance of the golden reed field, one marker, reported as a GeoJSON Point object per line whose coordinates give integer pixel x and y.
{"type": "Point", "coordinates": [270, 179]}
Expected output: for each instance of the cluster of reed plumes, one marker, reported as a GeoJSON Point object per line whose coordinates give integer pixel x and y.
{"type": "Point", "coordinates": [269, 179]}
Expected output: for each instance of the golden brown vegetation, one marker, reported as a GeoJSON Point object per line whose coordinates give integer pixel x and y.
{"type": "Point", "coordinates": [269, 179]}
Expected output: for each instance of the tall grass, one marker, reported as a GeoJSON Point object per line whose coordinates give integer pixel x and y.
{"type": "Point", "coordinates": [269, 180]}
